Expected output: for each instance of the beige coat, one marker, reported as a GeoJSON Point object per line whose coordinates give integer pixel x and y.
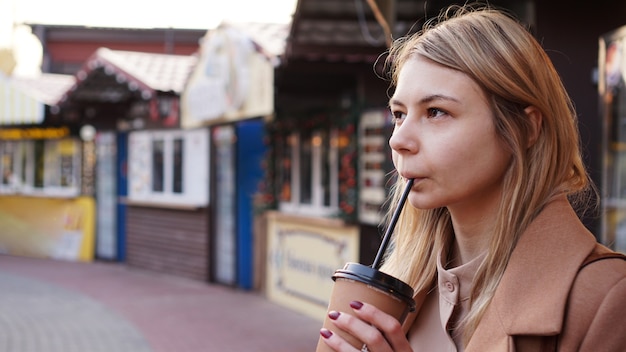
{"type": "Point", "coordinates": [542, 299]}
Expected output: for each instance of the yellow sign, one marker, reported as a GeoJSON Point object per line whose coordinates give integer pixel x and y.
{"type": "Point", "coordinates": [302, 257]}
{"type": "Point", "coordinates": [34, 133]}
{"type": "Point", "coordinates": [48, 227]}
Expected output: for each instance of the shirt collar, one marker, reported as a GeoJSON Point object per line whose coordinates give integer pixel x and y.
{"type": "Point", "coordinates": [455, 284]}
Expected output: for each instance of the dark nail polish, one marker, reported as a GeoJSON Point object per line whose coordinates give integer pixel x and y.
{"type": "Point", "coordinates": [333, 315]}
{"type": "Point", "coordinates": [356, 305]}
{"type": "Point", "coordinates": [326, 333]}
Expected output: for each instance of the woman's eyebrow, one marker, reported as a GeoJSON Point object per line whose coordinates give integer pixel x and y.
{"type": "Point", "coordinates": [396, 102]}
{"type": "Point", "coordinates": [426, 99]}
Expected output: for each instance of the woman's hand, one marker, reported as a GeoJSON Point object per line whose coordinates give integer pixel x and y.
{"type": "Point", "coordinates": [379, 331]}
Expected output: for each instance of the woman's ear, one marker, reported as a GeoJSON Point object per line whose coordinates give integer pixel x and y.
{"type": "Point", "coordinates": [536, 119]}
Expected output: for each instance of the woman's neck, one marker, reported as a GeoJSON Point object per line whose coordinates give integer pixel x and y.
{"type": "Point", "coordinates": [472, 235]}
{"type": "Point", "coordinates": [463, 250]}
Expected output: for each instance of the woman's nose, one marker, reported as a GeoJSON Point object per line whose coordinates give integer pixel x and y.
{"type": "Point", "coordinates": [403, 140]}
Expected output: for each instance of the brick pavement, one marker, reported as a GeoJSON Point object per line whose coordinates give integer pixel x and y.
{"type": "Point", "coordinates": [59, 306]}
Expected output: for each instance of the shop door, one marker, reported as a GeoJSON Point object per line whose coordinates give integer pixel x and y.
{"type": "Point", "coordinates": [106, 218]}
{"type": "Point", "coordinates": [122, 193]}
{"type": "Point", "coordinates": [224, 240]}
{"type": "Point", "coordinates": [250, 153]}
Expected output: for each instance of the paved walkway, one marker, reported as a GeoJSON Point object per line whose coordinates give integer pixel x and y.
{"type": "Point", "coordinates": [58, 306]}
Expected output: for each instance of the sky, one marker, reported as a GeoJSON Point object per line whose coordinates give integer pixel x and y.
{"type": "Point", "coordinates": [195, 14]}
{"type": "Point", "coordinates": [151, 13]}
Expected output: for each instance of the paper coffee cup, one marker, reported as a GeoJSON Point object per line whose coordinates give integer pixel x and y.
{"type": "Point", "coordinates": [358, 282]}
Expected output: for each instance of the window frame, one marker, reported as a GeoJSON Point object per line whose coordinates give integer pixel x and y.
{"type": "Point", "coordinates": [194, 163]}
{"type": "Point", "coordinates": [317, 206]}
{"type": "Point", "coordinates": [24, 167]}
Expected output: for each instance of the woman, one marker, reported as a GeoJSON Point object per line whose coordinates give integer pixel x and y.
{"type": "Point", "coordinates": [490, 241]}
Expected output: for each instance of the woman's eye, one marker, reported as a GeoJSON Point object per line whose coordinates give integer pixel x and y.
{"type": "Point", "coordinates": [398, 116]}
{"type": "Point", "coordinates": [435, 112]}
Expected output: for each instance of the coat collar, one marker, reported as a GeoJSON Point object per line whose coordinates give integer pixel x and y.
{"type": "Point", "coordinates": [533, 291]}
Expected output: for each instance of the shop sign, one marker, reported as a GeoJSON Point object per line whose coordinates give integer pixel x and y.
{"type": "Point", "coordinates": [302, 259]}
{"type": "Point", "coordinates": [60, 228]}
{"type": "Point", "coordinates": [231, 82]}
{"type": "Point", "coordinates": [34, 133]}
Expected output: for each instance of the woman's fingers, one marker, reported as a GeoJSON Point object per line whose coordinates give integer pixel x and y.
{"type": "Point", "coordinates": [388, 335]}
{"type": "Point", "coordinates": [376, 329]}
{"type": "Point", "coordinates": [336, 342]}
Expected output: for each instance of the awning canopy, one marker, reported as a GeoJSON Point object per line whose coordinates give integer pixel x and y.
{"type": "Point", "coordinates": [347, 30]}
{"type": "Point", "coordinates": [17, 107]}
{"type": "Point", "coordinates": [23, 100]}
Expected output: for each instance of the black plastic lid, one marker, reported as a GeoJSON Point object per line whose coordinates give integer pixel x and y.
{"type": "Point", "coordinates": [378, 279]}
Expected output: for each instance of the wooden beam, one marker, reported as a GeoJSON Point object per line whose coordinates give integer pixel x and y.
{"type": "Point", "coordinates": [384, 17]}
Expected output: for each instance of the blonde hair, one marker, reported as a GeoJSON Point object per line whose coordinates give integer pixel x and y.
{"type": "Point", "coordinates": [505, 60]}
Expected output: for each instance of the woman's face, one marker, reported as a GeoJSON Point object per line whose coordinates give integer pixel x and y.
{"type": "Point", "coordinates": [444, 138]}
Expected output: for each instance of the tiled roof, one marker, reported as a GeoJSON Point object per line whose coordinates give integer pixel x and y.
{"type": "Point", "coordinates": [159, 71]}
{"type": "Point", "coordinates": [114, 75]}
{"type": "Point", "coordinates": [46, 88]}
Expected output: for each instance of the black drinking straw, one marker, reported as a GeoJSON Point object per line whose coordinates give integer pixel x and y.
{"type": "Point", "coordinates": [392, 225]}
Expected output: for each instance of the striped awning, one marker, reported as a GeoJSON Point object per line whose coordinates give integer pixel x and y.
{"type": "Point", "coordinates": [17, 107]}
{"type": "Point", "coordinates": [23, 99]}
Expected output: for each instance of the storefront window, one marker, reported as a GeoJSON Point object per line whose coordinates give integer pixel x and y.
{"type": "Point", "coordinates": [160, 167]}
{"type": "Point", "coordinates": [51, 167]}
{"type": "Point", "coordinates": [306, 167]}
{"type": "Point", "coordinates": [177, 185]}
{"type": "Point", "coordinates": [10, 156]}
{"type": "Point", "coordinates": [309, 165]}
{"type": "Point", "coordinates": [285, 148]}
{"type": "Point", "coordinates": [51, 158]}
{"type": "Point", "coordinates": [28, 164]}
{"type": "Point", "coordinates": [328, 150]}
{"type": "Point", "coordinates": [169, 167]}
{"type": "Point", "coordinates": [67, 153]}
{"type": "Point", "coordinates": [39, 163]}
{"type": "Point", "coordinates": [157, 165]}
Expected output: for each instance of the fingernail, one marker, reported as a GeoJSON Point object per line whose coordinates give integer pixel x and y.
{"type": "Point", "coordinates": [356, 305]}
{"type": "Point", "coordinates": [333, 315]}
{"type": "Point", "coordinates": [325, 333]}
